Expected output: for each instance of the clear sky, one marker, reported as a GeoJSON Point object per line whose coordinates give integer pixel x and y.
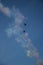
{"type": "Point", "coordinates": [11, 53]}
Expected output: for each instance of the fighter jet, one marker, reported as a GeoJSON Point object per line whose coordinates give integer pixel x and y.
{"type": "Point", "coordinates": [24, 31]}
{"type": "Point", "coordinates": [25, 24]}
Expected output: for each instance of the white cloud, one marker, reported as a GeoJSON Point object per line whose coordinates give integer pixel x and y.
{"type": "Point", "coordinates": [16, 30]}
{"type": "Point", "coordinates": [5, 10]}
{"type": "Point", "coordinates": [19, 18]}
{"type": "Point", "coordinates": [29, 53]}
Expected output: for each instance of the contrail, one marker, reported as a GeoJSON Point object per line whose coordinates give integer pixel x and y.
{"type": "Point", "coordinates": [21, 37]}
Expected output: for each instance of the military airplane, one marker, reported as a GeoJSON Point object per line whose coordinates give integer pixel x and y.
{"type": "Point", "coordinates": [25, 24]}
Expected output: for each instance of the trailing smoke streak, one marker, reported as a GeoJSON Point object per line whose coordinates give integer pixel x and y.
{"type": "Point", "coordinates": [24, 41]}
{"type": "Point", "coordinates": [17, 31]}
{"type": "Point", "coordinates": [5, 10]}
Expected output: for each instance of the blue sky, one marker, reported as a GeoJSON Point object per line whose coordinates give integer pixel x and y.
{"type": "Point", "coordinates": [11, 53]}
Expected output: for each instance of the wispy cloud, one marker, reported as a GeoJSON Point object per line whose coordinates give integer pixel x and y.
{"type": "Point", "coordinates": [17, 31]}
{"type": "Point", "coordinates": [19, 18]}
{"type": "Point", "coordinates": [5, 10]}
{"type": "Point", "coordinates": [21, 37]}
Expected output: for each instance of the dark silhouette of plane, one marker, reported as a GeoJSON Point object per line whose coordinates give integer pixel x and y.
{"type": "Point", "coordinates": [25, 24]}
{"type": "Point", "coordinates": [24, 31]}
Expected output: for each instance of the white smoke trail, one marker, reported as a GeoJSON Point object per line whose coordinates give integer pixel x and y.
{"type": "Point", "coordinates": [17, 31]}
{"type": "Point", "coordinates": [22, 38]}
{"type": "Point", "coordinates": [5, 10]}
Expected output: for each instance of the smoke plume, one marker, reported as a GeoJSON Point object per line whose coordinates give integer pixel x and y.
{"type": "Point", "coordinates": [16, 30]}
